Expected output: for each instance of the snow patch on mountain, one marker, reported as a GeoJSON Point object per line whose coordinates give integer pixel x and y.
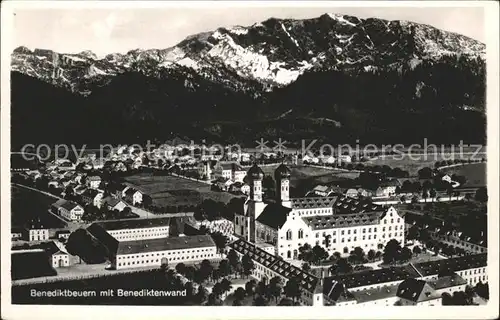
{"type": "Point", "coordinates": [340, 18]}
{"type": "Point", "coordinates": [288, 34]}
{"type": "Point", "coordinates": [238, 30]}
{"type": "Point", "coordinates": [188, 62]}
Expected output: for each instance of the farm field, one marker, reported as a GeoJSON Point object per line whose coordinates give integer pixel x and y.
{"type": "Point", "coordinates": [27, 205]}
{"type": "Point", "coordinates": [416, 162]}
{"type": "Point", "coordinates": [173, 191]}
{"type": "Point", "coordinates": [475, 173]}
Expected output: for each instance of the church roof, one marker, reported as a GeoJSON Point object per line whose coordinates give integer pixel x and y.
{"type": "Point", "coordinates": [274, 215]}
{"type": "Point", "coordinates": [313, 202]}
{"type": "Point", "coordinates": [255, 172]}
{"type": "Point", "coordinates": [282, 172]}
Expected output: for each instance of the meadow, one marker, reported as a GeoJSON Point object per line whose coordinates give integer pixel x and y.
{"type": "Point", "coordinates": [28, 205]}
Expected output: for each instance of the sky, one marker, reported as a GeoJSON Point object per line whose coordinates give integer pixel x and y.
{"type": "Point", "coordinates": [108, 30]}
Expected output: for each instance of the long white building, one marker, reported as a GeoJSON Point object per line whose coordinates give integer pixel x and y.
{"type": "Point", "coordinates": [135, 229]}
{"type": "Point", "coordinates": [335, 223]}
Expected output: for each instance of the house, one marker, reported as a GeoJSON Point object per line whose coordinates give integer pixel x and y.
{"type": "Point", "coordinates": [37, 232]}
{"type": "Point", "coordinates": [16, 234]}
{"type": "Point", "coordinates": [229, 170]}
{"type": "Point", "coordinates": [114, 204]}
{"type": "Point", "coordinates": [133, 196]}
{"type": "Point", "coordinates": [93, 197]}
{"type": "Point", "coordinates": [320, 190]}
{"type": "Point", "coordinates": [329, 160]}
{"type": "Point", "coordinates": [240, 187]}
{"type": "Point", "coordinates": [120, 191]}
{"type": "Point", "coordinates": [205, 170]}
{"type": "Point", "coordinates": [351, 193]}
{"type": "Point", "coordinates": [93, 182]}
{"type": "Point", "coordinates": [413, 292]}
{"type": "Point", "coordinates": [63, 234]}
{"type": "Point", "coordinates": [345, 159]}
{"type": "Point", "coordinates": [222, 183]}
{"type": "Point", "coordinates": [387, 188]}
{"type": "Point", "coordinates": [446, 178]}
{"type": "Point", "coordinates": [68, 210]}
{"type": "Point", "coordinates": [365, 193]}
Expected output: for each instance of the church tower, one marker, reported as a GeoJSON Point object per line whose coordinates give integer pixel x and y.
{"type": "Point", "coordinates": [254, 204]}
{"type": "Point", "coordinates": [282, 177]}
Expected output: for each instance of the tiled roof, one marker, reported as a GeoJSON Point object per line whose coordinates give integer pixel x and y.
{"type": "Point", "coordinates": [336, 291]}
{"type": "Point", "coordinates": [321, 188]}
{"type": "Point", "coordinates": [349, 205]}
{"type": "Point", "coordinates": [103, 237]}
{"type": "Point", "coordinates": [313, 202]}
{"type": "Point", "coordinates": [280, 266]}
{"type": "Point", "coordinates": [391, 183]}
{"type": "Point", "coordinates": [447, 282]}
{"type": "Point", "coordinates": [94, 178]}
{"type": "Point", "coordinates": [343, 221]}
{"type": "Point", "coordinates": [164, 244]}
{"type": "Point", "coordinates": [134, 223]}
{"type": "Point", "coordinates": [416, 291]}
{"type": "Point", "coordinates": [383, 292]}
{"type": "Point", "coordinates": [451, 265]}
{"type": "Point", "coordinates": [274, 215]}
{"type": "Point", "coordinates": [68, 205]}
{"type": "Point", "coordinates": [91, 193]}
{"type": "Point", "coordinates": [112, 202]}
{"type": "Point", "coordinates": [370, 277]}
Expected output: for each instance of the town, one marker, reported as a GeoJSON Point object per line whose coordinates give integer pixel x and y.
{"type": "Point", "coordinates": [251, 228]}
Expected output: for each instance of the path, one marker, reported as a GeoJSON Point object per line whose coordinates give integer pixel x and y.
{"type": "Point", "coordinates": [38, 190]}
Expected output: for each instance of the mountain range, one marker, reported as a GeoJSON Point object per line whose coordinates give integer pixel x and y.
{"type": "Point", "coordinates": [336, 78]}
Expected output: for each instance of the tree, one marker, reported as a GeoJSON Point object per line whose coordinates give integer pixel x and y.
{"type": "Point", "coordinates": [233, 259]}
{"type": "Point", "coordinates": [213, 300]}
{"type": "Point", "coordinates": [306, 267]}
{"type": "Point", "coordinates": [180, 268]}
{"type": "Point", "coordinates": [248, 265]}
{"type": "Point", "coordinates": [469, 294]}
{"type": "Point", "coordinates": [205, 270]}
{"type": "Point", "coordinates": [406, 254]}
{"type": "Point", "coordinates": [425, 173]}
{"type": "Point", "coordinates": [319, 254]}
{"type": "Point", "coordinates": [259, 301]}
{"type": "Point", "coordinates": [292, 288]}
{"type": "Point", "coordinates": [285, 302]}
{"type": "Point", "coordinates": [201, 295]}
{"type": "Point", "coordinates": [226, 285]}
{"type": "Point", "coordinates": [224, 268]}
{"type": "Point", "coordinates": [371, 254]}
{"type": "Point", "coordinates": [481, 194]}
{"type": "Point", "coordinates": [425, 194]}
{"type": "Point", "coordinates": [483, 290]}
{"type": "Point", "coordinates": [432, 194]}
{"type": "Point", "coordinates": [220, 241]}
{"type": "Point", "coordinates": [417, 250]}
{"type": "Point", "coordinates": [250, 287]}
{"type": "Point", "coordinates": [275, 287]}
{"type": "Point", "coordinates": [305, 253]}
{"type": "Point", "coordinates": [239, 294]}
{"type": "Point", "coordinates": [392, 251]}
{"type": "Point", "coordinates": [446, 299]}
{"type": "Point", "coordinates": [359, 254]}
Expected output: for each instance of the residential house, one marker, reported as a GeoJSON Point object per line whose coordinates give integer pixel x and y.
{"type": "Point", "coordinates": [133, 196]}
{"type": "Point", "coordinates": [229, 170]}
{"type": "Point", "coordinates": [321, 190]}
{"type": "Point", "coordinates": [16, 234]}
{"type": "Point", "coordinates": [114, 204]}
{"type": "Point", "coordinates": [93, 182]}
{"type": "Point", "coordinates": [413, 292]}
{"type": "Point", "coordinates": [68, 210]}
{"type": "Point", "coordinates": [351, 193]}
{"type": "Point", "coordinates": [387, 188]}
{"type": "Point", "coordinates": [63, 234]}
{"type": "Point", "coordinates": [446, 178]}
{"type": "Point", "coordinates": [93, 197]}
{"type": "Point", "coordinates": [37, 232]}
{"type": "Point", "coordinates": [120, 191]}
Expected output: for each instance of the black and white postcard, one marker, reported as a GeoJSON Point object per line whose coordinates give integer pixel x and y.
{"type": "Point", "coordinates": [204, 159]}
